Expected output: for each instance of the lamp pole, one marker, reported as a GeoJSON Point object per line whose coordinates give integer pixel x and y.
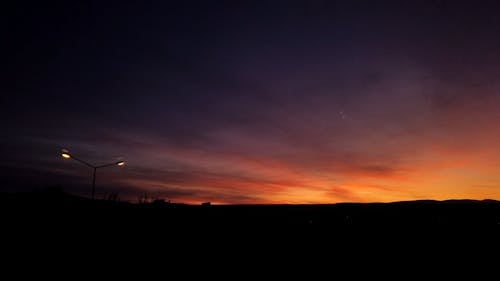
{"type": "Point", "coordinates": [65, 154]}
{"type": "Point", "coordinates": [93, 182]}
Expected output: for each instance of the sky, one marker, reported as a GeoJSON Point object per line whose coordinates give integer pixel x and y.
{"type": "Point", "coordinates": [253, 102]}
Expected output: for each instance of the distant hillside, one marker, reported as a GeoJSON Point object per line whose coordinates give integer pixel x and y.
{"type": "Point", "coordinates": [52, 206]}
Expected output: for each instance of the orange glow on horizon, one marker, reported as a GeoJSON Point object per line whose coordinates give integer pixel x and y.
{"type": "Point", "coordinates": [447, 176]}
{"type": "Point", "coordinates": [448, 159]}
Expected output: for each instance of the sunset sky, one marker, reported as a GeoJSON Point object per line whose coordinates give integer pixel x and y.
{"type": "Point", "coordinates": [254, 101]}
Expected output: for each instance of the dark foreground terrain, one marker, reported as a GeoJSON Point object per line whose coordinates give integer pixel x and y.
{"type": "Point", "coordinates": [61, 209]}
{"type": "Point", "coordinates": [39, 225]}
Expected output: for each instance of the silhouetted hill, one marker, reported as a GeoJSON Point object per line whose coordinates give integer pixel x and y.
{"type": "Point", "coordinates": [52, 206]}
{"type": "Point", "coordinates": [40, 222]}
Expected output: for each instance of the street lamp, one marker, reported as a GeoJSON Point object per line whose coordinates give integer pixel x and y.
{"type": "Point", "coordinates": [65, 154]}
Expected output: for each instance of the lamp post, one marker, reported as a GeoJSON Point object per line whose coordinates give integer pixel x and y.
{"type": "Point", "coordinates": [65, 154]}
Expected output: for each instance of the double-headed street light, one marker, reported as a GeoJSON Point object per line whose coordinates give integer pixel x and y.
{"type": "Point", "coordinates": [65, 154]}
